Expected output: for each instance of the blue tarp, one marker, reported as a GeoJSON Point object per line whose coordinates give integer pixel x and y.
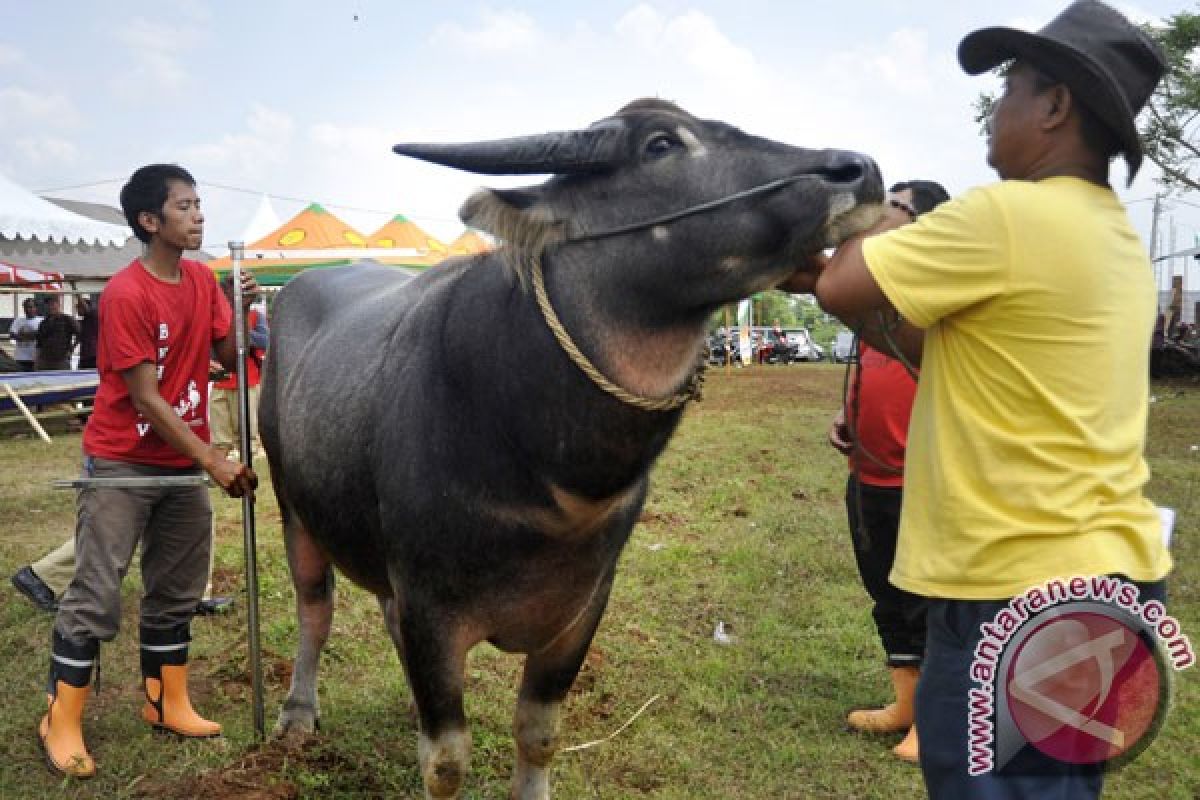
{"type": "Point", "coordinates": [45, 388]}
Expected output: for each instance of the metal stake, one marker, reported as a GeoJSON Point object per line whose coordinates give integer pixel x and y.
{"type": "Point", "coordinates": [236, 250]}
{"type": "Point", "coordinates": [148, 482]}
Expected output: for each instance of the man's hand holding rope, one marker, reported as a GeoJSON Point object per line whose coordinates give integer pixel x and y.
{"type": "Point", "coordinates": [845, 275]}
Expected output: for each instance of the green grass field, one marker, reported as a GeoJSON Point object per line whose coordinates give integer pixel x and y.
{"type": "Point", "coordinates": [745, 525]}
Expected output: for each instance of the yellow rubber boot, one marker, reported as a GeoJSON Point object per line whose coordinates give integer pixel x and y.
{"type": "Point", "coordinates": [894, 717]}
{"type": "Point", "coordinates": [169, 708]}
{"type": "Point", "coordinates": [61, 731]}
{"type": "Point", "coordinates": [908, 749]}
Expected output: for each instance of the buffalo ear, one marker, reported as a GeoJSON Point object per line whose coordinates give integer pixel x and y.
{"type": "Point", "coordinates": [521, 198]}
{"type": "Point", "coordinates": [500, 210]}
{"type": "Point", "coordinates": [519, 219]}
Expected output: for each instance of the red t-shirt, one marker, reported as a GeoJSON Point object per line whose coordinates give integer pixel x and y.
{"type": "Point", "coordinates": [171, 325]}
{"type": "Point", "coordinates": [886, 400]}
{"type": "Point", "coordinates": [253, 361]}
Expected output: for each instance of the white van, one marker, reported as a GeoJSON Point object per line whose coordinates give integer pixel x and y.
{"type": "Point", "coordinates": [843, 347]}
{"type": "Point", "coordinates": [803, 346]}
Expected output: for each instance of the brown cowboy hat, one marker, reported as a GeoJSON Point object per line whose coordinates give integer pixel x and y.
{"type": "Point", "coordinates": [1108, 64]}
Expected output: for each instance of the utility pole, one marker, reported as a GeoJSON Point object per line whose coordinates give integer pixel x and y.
{"type": "Point", "coordinates": [1154, 226]}
{"type": "Point", "coordinates": [1154, 265]}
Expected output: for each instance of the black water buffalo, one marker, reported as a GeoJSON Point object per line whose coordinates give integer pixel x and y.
{"type": "Point", "coordinates": [473, 445]}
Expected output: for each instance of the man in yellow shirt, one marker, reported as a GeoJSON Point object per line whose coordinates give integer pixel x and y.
{"type": "Point", "coordinates": [1029, 305]}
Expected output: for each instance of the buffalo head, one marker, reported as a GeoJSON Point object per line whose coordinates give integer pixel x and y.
{"type": "Point", "coordinates": [698, 212]}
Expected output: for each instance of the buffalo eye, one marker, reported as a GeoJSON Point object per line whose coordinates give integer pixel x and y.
{"type": "Point", "coordinates": [660, 144]}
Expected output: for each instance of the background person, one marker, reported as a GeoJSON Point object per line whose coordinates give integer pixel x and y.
{"type": "Point", "coordinates": [871, 429]}
{"type": "Point", "coordinates": [1025, 460]}
{"type": "Point", "coordinates": [23, 333]}
{"type": "Point", "coordinates": [56, 337]}
{"type": "Point", "coordinates": [44, 581]}
{"type": "Point", "coordinates": [223, 398]}
{"type": "Point", "coordinates": [89, 330]}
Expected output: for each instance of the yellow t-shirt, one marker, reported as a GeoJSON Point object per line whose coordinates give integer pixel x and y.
{"type": "Point", "coordinates": [1025, 447]}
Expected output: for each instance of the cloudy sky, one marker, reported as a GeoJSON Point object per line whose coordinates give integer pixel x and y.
{"type": "Point", "coordinates": [302, 100]}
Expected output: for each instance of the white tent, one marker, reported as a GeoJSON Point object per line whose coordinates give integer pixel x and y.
{"type": "Point", "coordinates": [24, 215]}
{"type": "Point", "coordinates": [263, 222]}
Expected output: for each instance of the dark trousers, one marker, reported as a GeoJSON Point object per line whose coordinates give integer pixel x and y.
{"type": "Point", "coordinates": [874, 516]}
{"type": "Point", "coordinates": [53, 364]}
{"type": "Point", "coordinates": [943, 717]}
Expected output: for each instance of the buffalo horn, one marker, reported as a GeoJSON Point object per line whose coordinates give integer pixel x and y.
{"type": "Point", "coordinates": [593, 149]}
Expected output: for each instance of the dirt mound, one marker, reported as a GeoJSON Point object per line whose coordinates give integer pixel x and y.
{"type": "Point", "coordinates": [274, 771]}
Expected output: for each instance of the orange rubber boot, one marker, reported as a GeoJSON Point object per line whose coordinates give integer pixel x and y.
{"type": "Point", "coordinates": [61, 731]}
{"type": "Point", "coordinates": [169, 708]}
{"type": "Point", "coordinates": [908, 750]}
{"type": "Point", "coordinates": [894, 717]}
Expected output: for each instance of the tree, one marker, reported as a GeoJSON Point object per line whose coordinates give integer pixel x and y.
{"type": "Point", "coordinates": [1171, 123]}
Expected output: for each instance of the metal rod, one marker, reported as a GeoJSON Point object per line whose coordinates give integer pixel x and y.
{"type": "Point", "coordinates": [148, 482]}
{"type": "Point", "coordinates": [236, 250]}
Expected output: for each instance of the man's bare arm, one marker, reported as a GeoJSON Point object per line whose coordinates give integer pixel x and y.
{"type": "Point", "coordinates": [142, 382]}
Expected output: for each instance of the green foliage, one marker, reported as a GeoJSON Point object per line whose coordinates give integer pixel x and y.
{"type": "Point", "coordinates": [1169, 125]}
{"type": "Point", "coordinates": [792, 311]}
{"type": "Point", "coordinates": [984, 104]}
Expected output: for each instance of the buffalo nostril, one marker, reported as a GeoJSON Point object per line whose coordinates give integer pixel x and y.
{"type": "Point", "coordinates": [847, 173]}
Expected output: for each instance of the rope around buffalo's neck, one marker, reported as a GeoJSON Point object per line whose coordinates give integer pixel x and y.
{"type": "Point", "coordinates": [691, 391]}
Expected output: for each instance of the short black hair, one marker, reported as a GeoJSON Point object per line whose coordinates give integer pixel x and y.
{"type": "Point", "coordinates": [147, 190]}
{"type": "Point", "coordinates": [1098, 137]}
{"type": "Point", "coordinates": [927, 195]}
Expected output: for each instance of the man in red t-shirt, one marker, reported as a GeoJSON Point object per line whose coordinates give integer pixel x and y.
{"type": "Point", "coordinates": [872, 430]}
{"type": "Point", "coordinates": [159, 319]}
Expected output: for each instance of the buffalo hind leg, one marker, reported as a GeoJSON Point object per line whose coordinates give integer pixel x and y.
{"type": "Point", "coordinates": [434, 660]}
{"type": "Point", "coordinates": [547, 677]}
{"type": "Point", "coordinates": [312, 577]}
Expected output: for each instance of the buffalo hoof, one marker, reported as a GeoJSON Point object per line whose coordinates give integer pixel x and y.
{"type": "Point", "coordinates": [296, 723]}
{"type": "Point", "coordinates": [443, 780]}
{"type": "Point", "coordinates": [443, 761]}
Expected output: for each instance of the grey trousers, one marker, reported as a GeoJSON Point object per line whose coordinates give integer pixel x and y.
{"type": "Point", "coordinates": [174, 526]}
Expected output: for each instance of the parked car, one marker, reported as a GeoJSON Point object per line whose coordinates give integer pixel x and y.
{"type": "Point", "coordinates": [718, 349]}
{"type": "Point", "coordinates": [843, 347]}
{"type": "Point", "coordinates": [803, 347]}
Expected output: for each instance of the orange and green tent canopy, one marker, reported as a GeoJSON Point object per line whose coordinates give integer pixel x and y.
{"type": "Point", "coordinates": [468, 243]}
{"type": "Point", "coordinates": [402, 233]}
{"type": "Point", "coordinates": [313, 229]}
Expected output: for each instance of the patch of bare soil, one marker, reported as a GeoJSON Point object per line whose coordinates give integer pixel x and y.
{"type": "Point", "coordinates": [258, 775]}
{"type": "Point", "coordinates": [669, 520]}
{"type": "Point", "coordinates": [264, 773]}
{"type": "Point", "coordinates": [736, 389]}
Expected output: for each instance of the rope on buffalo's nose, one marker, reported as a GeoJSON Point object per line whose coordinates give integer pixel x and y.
{"type": "Point", "coordinates": [691, 391]}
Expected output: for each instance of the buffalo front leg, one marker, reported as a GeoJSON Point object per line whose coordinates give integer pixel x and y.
{"type": "Point", "coordinates": [312, 577]}
{"type": "Point", "coordinates": [434, 658]}
{"type": "Point", "coordinates": [548, 676]}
